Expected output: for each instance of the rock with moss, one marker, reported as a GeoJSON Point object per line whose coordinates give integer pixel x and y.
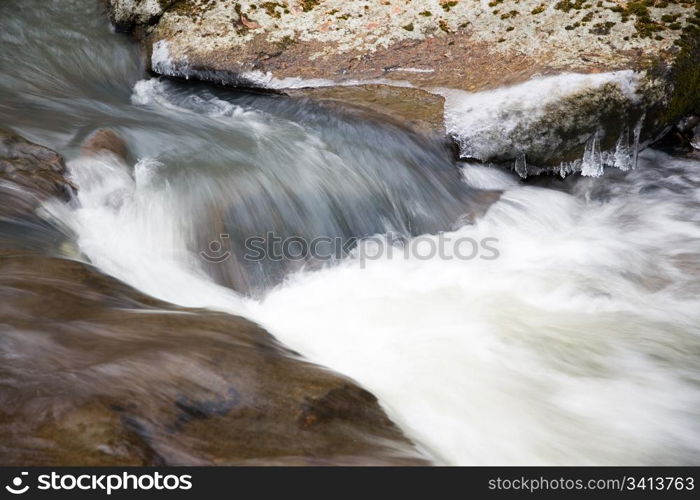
{"type": "Point", "coordinates": [439, 46]}
{"type": "Point", "coordinates": [127, 14]}
{"type": "Point", "coordinates": [417, 109]}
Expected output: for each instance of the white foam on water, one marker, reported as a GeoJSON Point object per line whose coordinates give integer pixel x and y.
{"type": "Point", "coordinates": [153, 92]}
{"type": "Point", "coordinates": [577, 345]}
{"type": "Point", "coordinates": [487, 177]}
{"type": "Point", "coordinates": [570, 348]}
{"type": "Point", "coordinates": [132, 227]}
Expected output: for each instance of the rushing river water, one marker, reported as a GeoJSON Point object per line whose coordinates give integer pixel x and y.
{"type": "Point", "coordinates": [578, 344]}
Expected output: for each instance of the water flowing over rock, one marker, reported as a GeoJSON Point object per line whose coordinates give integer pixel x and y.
{"type": "Point", "coordinates": [29, 174]}
{"type": "Point", "coordinates": [458, 49]}
{"type": "Point", "coordinates": [105, 141]}
{"type": "Point", "coordinates": [97, 373]}
{"type": "Point", "coordinates": [107, 376]}
{"type": "Point", "coordinates": [549, 322]}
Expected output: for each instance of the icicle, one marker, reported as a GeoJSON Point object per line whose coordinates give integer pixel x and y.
{"type": "Point", "coordinates": [637, 135]}
{"type": "Point", "coordinates": [622, 155]}
{"type": "Point", "coordinates": [521, 165]}
{"type": "Point", "coordinates": [592, 164]}
{"type": "Point", "coordinates": [569, 167]}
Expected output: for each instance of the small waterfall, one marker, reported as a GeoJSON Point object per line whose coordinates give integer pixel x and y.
{"type": "Point", "coordinates": [574, 340]}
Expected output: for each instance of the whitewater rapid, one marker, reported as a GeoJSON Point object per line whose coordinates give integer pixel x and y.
{"type": "Point", "coordinates": [577, 345]}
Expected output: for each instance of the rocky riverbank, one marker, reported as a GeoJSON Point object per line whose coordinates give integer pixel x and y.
{"type": "Point", "coordinates": [97, 373]}
{"type": "Point", "coordinates": [642, 58]}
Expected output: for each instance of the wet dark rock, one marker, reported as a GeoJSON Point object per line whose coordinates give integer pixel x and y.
{"type": "Point", "coordinates": [344, 403]}
{"type": "Point", "coordinates": [418, 109]}
{"type": "Point", "coordinates": [105, 140]}
{"type": "Point", "coordinates": [682, 139]}
{"type": "Point", "coordinates": [463, 46]}
{"type": "Point", "coordinates": [96, 373]}
{"type": "Point", "coordinates": [29, 174]}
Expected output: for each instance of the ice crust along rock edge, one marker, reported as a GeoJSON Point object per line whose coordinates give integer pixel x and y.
{"type": "Point", "coordinates": [496, 125]}
{"type": "Point", "coordinates": [525, 124]}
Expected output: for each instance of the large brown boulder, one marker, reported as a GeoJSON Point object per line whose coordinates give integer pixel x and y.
{"type": "Point", "coordinates": [95, 373]}
{"type": "Point", "coordinates": [453, 49]}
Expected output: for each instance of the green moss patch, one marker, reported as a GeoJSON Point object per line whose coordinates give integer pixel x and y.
{"type": "Point", "coordinates": [685, 74]}
{"type": "Point", "coordinates": [567, 5]}
{"type": "Point", "coordinates": [448, 5]}
{"type": "Point", "coordinates": [307, 5]}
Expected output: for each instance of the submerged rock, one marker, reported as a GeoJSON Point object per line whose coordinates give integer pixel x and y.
{"type": "Point", "coordinates": [418, 109]}
{"type": "Point", "coordinates": [105, 140]}
{"type": "Point", "coordinates": [447, 47]}
{"type": "Point", "coordinates": [29, 174]}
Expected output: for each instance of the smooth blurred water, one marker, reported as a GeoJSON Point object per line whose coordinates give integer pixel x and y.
{"type": "Point", "coordinates": [235, 163]}
{"type": "Point", "coordinates": [578, 345]}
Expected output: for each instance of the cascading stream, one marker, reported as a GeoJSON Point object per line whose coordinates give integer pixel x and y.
{"type": "Point", "coordinates": [578, 344]}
